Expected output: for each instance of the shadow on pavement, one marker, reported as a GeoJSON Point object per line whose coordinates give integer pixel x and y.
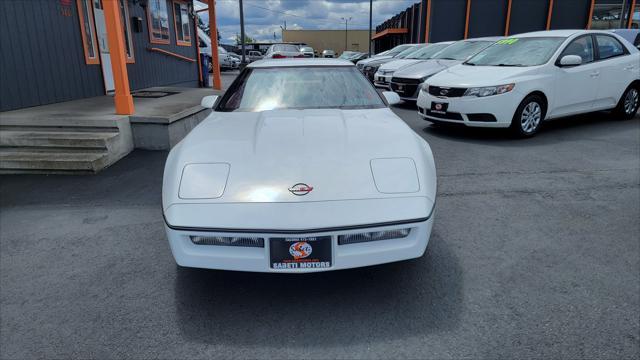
{"type": "Point", "coordinates": [557, 127]}
{"type": "Point", "coordinates": [341, 307]}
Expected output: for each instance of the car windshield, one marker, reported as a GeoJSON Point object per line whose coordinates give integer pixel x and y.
{"type": "Point", "coordinates": [427, 52]}
{"type": "Point", "coordinates": [285, 47]}
{"type": "Point", "coordinates": [397, 50]}
{"type": "Point", "coordinates": [462, 50]}
{"type": "Point", "coordinates": [306, 49]}
{"type": "Point", "coordinates": [518, 52]}
{"type": "Point", "coordinates": [406, 52]}
{"type": "Point", "coordinates": [319, 87]}
{"type": "Point", "coordinates": [348, 55]}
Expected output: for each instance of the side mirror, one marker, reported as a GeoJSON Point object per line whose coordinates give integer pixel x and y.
{"type": "Point", "coordinates": [570, 60]}
{"type": "Point", "coordinates": [209, 101]}
{"type": "Point", "coordinates": [391, 97]}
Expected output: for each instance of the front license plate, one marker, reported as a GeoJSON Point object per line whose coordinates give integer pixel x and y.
{"type": "Point", "coordinates": [440, 108]}
{"type": "Point", "coordinates": [300, 252]}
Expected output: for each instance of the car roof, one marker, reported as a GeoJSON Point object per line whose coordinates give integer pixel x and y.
{"type": "Point", "coordinates": [487, 38]}
{"type": "Point", "coordinates": [302, 62]}
{"type": "Point", "coordinates": [560, 33]}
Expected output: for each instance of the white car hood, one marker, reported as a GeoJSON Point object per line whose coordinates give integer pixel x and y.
{"type": "Point", "coordinates": [374, 59]}
{"type": "Point", "coordinates": [398, 64]}
{"type": "Point", "coordinates": [330, 150]}
{"type": "Point", "coordinates": [425, 68]}
{"type": "Point", "coordinates": [474, 76]}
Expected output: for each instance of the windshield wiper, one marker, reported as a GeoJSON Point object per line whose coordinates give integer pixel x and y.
{"type": "Point", "coordinates": [447, 58]}
{"type": "Point", "coordinates": [468, 63]}
{"type": "Point", "coordinates": [510, 65]}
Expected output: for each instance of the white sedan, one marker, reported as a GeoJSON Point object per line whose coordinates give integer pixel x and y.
{"type": "Point", "coordinates": [301, 167]}
{"type": "Point", "coordinates": [523, 80]}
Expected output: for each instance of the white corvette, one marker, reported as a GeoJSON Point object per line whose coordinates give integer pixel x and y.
{"type": "Point", "coordinates": [301, 167]}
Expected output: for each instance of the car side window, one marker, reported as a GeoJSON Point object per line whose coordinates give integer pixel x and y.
{"type": "Point", "coordinates": [583, 47]}
{"type": "Point", "coordinates": [609, 47]}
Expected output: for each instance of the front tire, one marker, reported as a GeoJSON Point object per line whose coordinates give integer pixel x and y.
{"type": "Point", "coordinates": [528, 116]}
{"type": "Point", "coordinates": [629, 103]}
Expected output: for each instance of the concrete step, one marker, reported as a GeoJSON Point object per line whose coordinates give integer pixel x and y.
{"type": "Point", "coordinates": [53, 160]}
{"type": "Point", "coordinates": [64, 122]}
{"type": "Point", "coordinates": [4, 128]}
{"type": "Point", "coordinates": [60, 139]}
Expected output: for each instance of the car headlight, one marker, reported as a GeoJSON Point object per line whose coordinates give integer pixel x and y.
{"type": "Point", "coordinates": [424, 86]}
{"type": "Point", "coordinates": [489, 90]}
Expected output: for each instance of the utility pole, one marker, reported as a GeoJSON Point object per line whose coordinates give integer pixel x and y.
{"type": "Point", "coordinates": [242, 31]}
{"type": "Point", "coordinates": [346, 21]}
{"type": "Point", "coordinates": [282, 29]}
{"type": "Point", "coordinates": [370, 23]}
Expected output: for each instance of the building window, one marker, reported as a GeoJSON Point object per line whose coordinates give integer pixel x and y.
{"type": "Point", "coordinates": [126, 30]}
{"type": "Point", "coordinates": [181, 22]}
{"type": "Point", "coordinates": [609, 14]}
{"type": "Point", "coordinates": [87, 30]}
{"type": "Point", "coordinates": [158, 19]}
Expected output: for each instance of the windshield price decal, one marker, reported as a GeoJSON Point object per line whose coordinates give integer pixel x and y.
{"type": "Point", "coordinates": [507, 41]}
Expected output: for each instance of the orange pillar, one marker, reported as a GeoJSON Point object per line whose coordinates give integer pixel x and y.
{"type": "Point", "coordinates": [213, 34]}
{"type": "Point", "coordinates": [122, 97]}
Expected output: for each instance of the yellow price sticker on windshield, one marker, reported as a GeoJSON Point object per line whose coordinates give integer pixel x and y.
{"type": "Point", "coordinates": [507, 41]}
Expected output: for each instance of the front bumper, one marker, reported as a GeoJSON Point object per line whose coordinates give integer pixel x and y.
{"type": "Point", "coordinates": [257, 259]}
{"type": "Point", "coordinates": [382, 80]}
{"type": "Point", "coordinates": [492, 111]}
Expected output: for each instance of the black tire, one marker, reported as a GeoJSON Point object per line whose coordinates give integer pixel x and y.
{"type": "Point", "coordinates": [629, 103]}
{"type": "Point", "coordinates": [528, 116]}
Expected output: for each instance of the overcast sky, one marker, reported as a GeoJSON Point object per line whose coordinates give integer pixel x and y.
{"type": "Point", "coordinates": [263, 18]}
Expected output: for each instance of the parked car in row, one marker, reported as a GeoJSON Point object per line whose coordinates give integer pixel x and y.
{"type": "Point", "coordinates": [353, 56]}
{"type": "Point", "coordinates": [328, 53]}
{"type": "Point", "coordinates": [254, 55]}
{"type": "Point", "coordinates": [406, 82]}
{"type": "Point", "coordinates": [521, 81]}
{"type": "Point", "coordinates": [292, 137]}
{"type": "Point", "coordinates": [372, 66]}
{"type": "Point", "coordinates": [383, 76]}
{"type": "Point", "coordinates": [227, 61]}
{"type": "Point", "coordinates": [307, 51]}
{"type": "Point", "coordinates": [383, 55]}
{"type": "Point", "coordinates": [283, 51]}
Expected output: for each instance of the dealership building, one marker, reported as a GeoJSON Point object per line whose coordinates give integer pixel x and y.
{"type": "Point", "coordinates": [446, 20]}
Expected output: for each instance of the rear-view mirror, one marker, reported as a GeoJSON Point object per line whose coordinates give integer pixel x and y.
{"type": "Point", "coordinates": [209, 101]}
{"type": "Point", "coordinates": [570, 60]}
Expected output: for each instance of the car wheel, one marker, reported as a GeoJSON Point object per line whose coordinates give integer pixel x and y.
{"type": "Point", "coordinates": [528, 117]}
{"type": "Point", "coordinates": [629, 103]}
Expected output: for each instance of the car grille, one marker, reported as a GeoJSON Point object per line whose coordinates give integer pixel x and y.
{"type": "Point", "coordinates": [405, 80]}
{"type": "Point", "coordinates": [308, 55]}
{"type": "Point", "coordinates": [408, 90]}
{"type": "Point", "coordinates": [446, 92]}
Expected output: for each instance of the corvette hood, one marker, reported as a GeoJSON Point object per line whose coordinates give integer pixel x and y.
{"type": "Point", "coordinates": [425, 68]}
{"type": "Point", "coordinates": [397, 64]}
{"type": "Point", "coordinates": [264, 154]}
{"type": "Point", "coordinates": [468, 76]}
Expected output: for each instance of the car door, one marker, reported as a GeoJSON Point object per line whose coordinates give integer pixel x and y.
{"type": "Point", "coordinates": [618, 68]}
{"type": "Point", "coordinates": [576, 86]}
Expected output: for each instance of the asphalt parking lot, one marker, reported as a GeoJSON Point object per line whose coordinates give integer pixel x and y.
{"type": "Point", "coordinates": [535, 253]}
